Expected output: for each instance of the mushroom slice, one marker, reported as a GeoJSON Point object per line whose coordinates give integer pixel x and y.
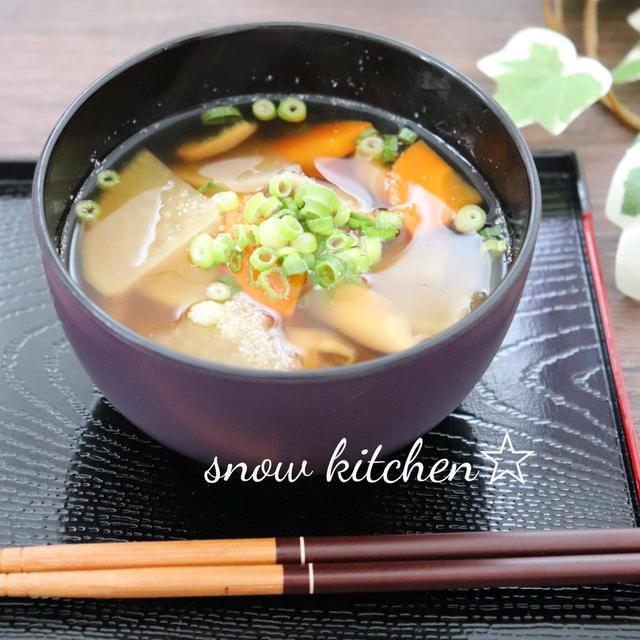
{"type": "Point", "coordinates": [364, 316]}
{"type": "Point", "coordinates": [321, 348]}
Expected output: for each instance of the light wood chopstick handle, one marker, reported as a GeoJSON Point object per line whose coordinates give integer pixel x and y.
{"type": "Point", "coordinates": [118, 555]}
{"type": "Point", "coordinates": [167, 582]}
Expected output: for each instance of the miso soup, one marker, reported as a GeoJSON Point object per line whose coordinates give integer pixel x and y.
{"type": "Point", "coordinates": [286, 233]}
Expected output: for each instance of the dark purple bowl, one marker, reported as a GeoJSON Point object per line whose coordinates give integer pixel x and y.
{"type": "Point", "coordinates": [203, 409]}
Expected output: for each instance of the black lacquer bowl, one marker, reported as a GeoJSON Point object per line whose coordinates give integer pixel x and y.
{"type": "Point", "coordinates": [203, 409]}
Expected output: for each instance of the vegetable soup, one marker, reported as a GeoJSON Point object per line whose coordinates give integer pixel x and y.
{"type": "Point", "coordinates": [287, 233]}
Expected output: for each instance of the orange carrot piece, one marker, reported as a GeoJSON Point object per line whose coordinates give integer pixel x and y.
{"type": "Point", "coordinates": [331, 140]}
{"type": "Point", "coordinates": [285, 306]}
{"type": "Point", "coordinates": [421, 166]}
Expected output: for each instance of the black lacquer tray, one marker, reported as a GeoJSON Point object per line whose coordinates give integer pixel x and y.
{"type": "Point", "coordinates": [72, 469]}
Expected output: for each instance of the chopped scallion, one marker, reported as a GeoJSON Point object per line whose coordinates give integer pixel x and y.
{"type": "Point", "coordinates": [321, 226]}
{"type": "Point", "coordinates": [367, 133]}
{"type": "Point", "coordinates": [406, 136]}
{"type": "Point", "coordinates": [494, 245]}
{"type": "Point", "coordinates": [390, 148]}
{"type": "Point", "coordinates": [338, 241]}
{"type": "Point", "coordinates": [290, 227]}
{"type": "Point", "coordinates": [201, 251]}
{"type": "Point", "coordinates": [107, 179]}
{"type": "Point", "coordinates": [305, 243]}
{"type": "Point", "coordinates": [268, 207]}
{"type": "Point", "coordinates": [264, 109]}
{"type": "Point", "coordinates": [218, 291]}
{"type": "Point", "coordinates": [87, 210]}
{"type": "Point", "coordinates": [372, 248]}
{"type": "Point", "coordinates": [273, 234]}
{"type": "Point", "coordinates": [223, 248]}
{"type": "Point", "coordinates": [262, 258]}
{"type": "Point", "coordinates": [329, 272]}
{"type": "Point", "coordinates": [264, 281]}
{"type": "Point", "coordinates": [281, 186]}
{"type": "Point", "coordinates": [226, 200]}
{"type": "Point", "coordinates": [292, 109]}
{"type": "Point", "coordinates": [371, 147]}
{"type": "Point", "coordinates": [293, 264]}
{"type": "Point", "coordinates": [251, 214]}
{"type": "Point", "coordinates": [470, 219]}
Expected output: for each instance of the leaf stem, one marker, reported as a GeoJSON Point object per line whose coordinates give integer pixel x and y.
{"type": "Point", "coordinates": [590, 35]}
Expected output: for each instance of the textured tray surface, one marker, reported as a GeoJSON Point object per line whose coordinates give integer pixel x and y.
{"type": "Point", "coordinates": [71, 469]}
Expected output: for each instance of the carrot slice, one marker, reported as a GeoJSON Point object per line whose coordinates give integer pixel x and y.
{"type": "Point", "coordinates": [285, 306]}
{"type": "Point", "coordinates": [331, 140]}
{"type": "Point", "coordinates": [420, 166]}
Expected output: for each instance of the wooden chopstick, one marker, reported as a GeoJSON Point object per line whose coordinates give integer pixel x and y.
{"type": "Point", "coordinates": [304, 550]}
{"type": "Point", "coordinates": [174, 582]}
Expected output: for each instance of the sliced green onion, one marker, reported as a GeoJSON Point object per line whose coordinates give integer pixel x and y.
{"type": "Point", "coordinates": [329, 272]}
{"type": "Point", "coordinates": [301, 191]}
{"type": "Point", "coordinates": [218, 291]}
{"type": "Point", "coordinates": [273, 234]}
{"type": "Point", "coordinates": [386, 219]}
{"type": "Point", "coordinates": [262, 258]}
{"type": "Point", "coordinates": [245, 234]}
{"type": "Point", "coordinates": [310, 259]}
{"type": "Point", "coordinates": [87, 210]}
{"type": "Point", "coordinates": [359, 221]}
{"type": "Point", "coordinates": [390, 148]}
{"type": "Point", "coordinates": [315, 209]}
{"type": "Point", "coordinates": [305, 243]}
{"type": "Point", "coordinates": [341, 216]}
{"type": "Point", "coordinates": [494, 245]}
{"type": "Point", "coordinates": [491, 232]}
{"type": "Point", "coordinates": [383, 233]}
{"type": "Point", "coordinates": [371, 147]}
{"type": "Point", "coordinates": [339, 241]}
{"type": "Point", "coordinates": [210, 185]}
{"type": "Point", "coordinates": [358, 257]}
{"type": "Point", "coordinates": [234, 263]}
{"type": "Point", "coordinates": [281, 186]}
{"type": "Point", "coordinates": [323, 196]}
{"type": "Point", "coordinates": [108, 179]}
{"type": "Point", "coordinates": [201, 251]}
{"type": "Point", "coordinates": [264, 109]}
{"type": "Point", "coordinates": [322, 226]}
{"type": "Point", "coordinates": [263, 282]}
{"type": "Point", "coordinates": [372, 248]}
{"type": "Point", "coordinates": [223, 248]}
{"type": "Point", "coordinates": [220, 115]}
{"type": "Point", "coordinates": [290, 203]}
{"type": "Point", "coordinates": [292, 109]}
{"type": "Point", "coordinates": [470, 219]}
{"type": "Point", "coordinates": [251, 208]}
{"type": "Point", "coordinates": [406, 136]}
{"type": "Point", "coordinates": [367, 133]}
{"type": "Point", "coordinates": [293, 264]}
{"type": "Point", "coordinates": [290, 227]}
{"type": "Point", "coordinates": [268, 207]}
{"type": "Point", "coordinates": [284, 251]}
{"type": "Point", "coordinates": [226, 200]}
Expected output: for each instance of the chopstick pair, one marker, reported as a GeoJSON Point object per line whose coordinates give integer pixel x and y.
{"type": "Point", "coordinates": [271, 566]}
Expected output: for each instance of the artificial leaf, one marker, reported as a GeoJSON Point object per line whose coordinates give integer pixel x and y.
{"type": "Point", "coordinates": [628, 263]}
{"type": "Point", "coordinates": [541, 79]}
{"type": "Point", "coordinates": [623, 200]}
{"type": "Point", "coordinates": [628, 69]}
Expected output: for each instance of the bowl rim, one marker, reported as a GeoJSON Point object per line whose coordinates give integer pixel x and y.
{"type": "Point", "coordinates": [141, 343]}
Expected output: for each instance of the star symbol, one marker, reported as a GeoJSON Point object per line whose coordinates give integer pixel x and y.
{"type": "Point", "coordinates": [507, 458]}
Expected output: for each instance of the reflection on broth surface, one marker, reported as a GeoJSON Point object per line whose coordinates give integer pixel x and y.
{"type": "Point", "coordinates": [287, 245]}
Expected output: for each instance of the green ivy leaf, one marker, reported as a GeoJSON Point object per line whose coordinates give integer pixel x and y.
{"type": "Point", "coordinates": [541, 79]}
{"type": "Point", "coordinates": [623, 200]}
{"type": "Point", "coordinates": [628, 69]}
